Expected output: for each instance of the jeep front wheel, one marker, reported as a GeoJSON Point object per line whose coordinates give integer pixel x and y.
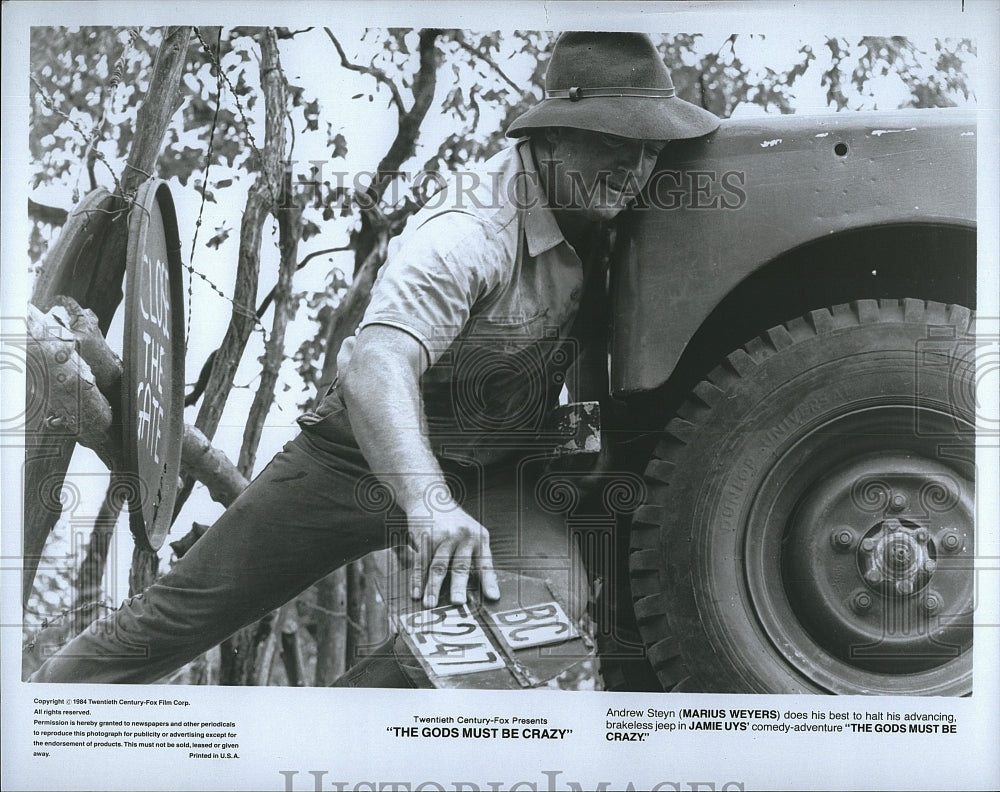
{"type": "Point", "coordinates": [809, 524]}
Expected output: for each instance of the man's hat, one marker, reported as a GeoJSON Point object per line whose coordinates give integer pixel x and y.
{"type": "Point", "coordinates": [614, 83]}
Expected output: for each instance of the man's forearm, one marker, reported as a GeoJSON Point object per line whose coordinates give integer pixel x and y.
{"type": "Point", "coordinates": [382, 393]}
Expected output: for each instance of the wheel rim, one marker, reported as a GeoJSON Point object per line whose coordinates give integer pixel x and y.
{"type": "Point", "coordinates": [859, 558]}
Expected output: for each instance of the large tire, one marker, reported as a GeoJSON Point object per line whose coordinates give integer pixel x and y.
{"type": "Point", "coordinates": [809, 523]}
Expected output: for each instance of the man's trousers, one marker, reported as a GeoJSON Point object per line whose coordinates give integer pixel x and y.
{"type": "Point", "coordinates": [315, 507]}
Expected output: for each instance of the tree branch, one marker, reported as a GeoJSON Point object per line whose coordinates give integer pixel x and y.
{"type": "Point", "coordinates": [458, 37]}
{"type": "Point", "coordinates": [404, 145]}
{"type": "Point", "coordinates": [73, 401]}
{"type": "Point", "coordinates": [378, 74]}
{"type": "Point", "coordinates": [261, 201]}
{"type": "Point", "coordinates": [289, 232]}
{"type": "Point", "coordinates": [69, 401]}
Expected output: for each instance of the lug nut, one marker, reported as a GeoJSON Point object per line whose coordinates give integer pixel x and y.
{"type": "Point", "coordinates": [862, 601]}
{"type": "Point", "coordinates": [868, 545]}
{"type": "Point", "coordinates": [932, 603]}
{"type": "Point", "coordinates": [921, 535]}
{"type": "Point", "coordinates": [951, 541]}
{"type": "Point", "coordinates": [898, 502]}
{"type": "Point", "coordinates": [904, 586]}
{"type": "Point", "coordinates": [842, 538]}
{"type": "Point", "coordinates": [873, 576]}
{"type": "Point", "coordinates": [930, 565]}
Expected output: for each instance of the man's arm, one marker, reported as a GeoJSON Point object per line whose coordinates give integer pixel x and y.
{"type": "Point", "coordinates": [381, 388]}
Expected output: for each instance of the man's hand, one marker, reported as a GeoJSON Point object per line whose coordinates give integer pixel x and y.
{"type": "Point", "coordinates": [382, 391]}
{"type": "Point", "coordinates": [450, 540]}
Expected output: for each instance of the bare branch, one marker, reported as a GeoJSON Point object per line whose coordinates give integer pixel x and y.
{"type": "Point", "coordinates": [404, 144]}
{"type": "Point", "coordinates": [266, 302]}
{"type": "Point", "coordinates": [261, 201]}
{"type": "Point", "coordinates": [378, 74]}
{"type": "Point", "coordinates": [289, 233]}
{"type": "Point", "coordinates": [211, 467]}
{"type": "Point", "coordinates": [314, 254]}
{"type": "Point", "coordinates": [459, 39]}
{"type": "Point", "coordinates": [75, 402]}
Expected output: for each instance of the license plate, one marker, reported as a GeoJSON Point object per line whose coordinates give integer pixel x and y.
{"type": "Point", "coordinates": [451, 641]}
{"type": "Point", "coordinates": [535, 625]}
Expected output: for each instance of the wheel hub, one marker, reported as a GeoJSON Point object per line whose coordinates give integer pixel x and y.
{"type": "Point", "coordinates": [875, 563]}
{"type": "Point", "coordinates": [897, 558]}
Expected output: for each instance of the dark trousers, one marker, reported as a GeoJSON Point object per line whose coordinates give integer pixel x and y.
{"type": "Point", "coordinates": [315, 507]}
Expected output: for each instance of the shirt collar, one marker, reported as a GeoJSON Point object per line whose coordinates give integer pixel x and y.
{"type": "Point", "coordinates": [541, 231]}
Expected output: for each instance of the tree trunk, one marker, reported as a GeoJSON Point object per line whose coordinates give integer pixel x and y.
{"type": "Point", "coordinates": [88, 580]}
{"type": "Point", "coordinates": [355, 613]}
{"type": "Point", "coordinates": [376, 621]}
{"type": "Point", "coordinates": [47, 449]}
{"type": "Point", "coordinates": [264, 199]}
{"type": "Point", "coordinates": [331, 637]}
{"type": "Point", "coordinates": [289, 232]}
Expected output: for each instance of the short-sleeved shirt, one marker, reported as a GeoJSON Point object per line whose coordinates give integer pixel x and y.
{"type": "Point", "coordinates": [483, 278]}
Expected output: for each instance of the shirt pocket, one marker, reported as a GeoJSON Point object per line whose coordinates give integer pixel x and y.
{"type": "Point", "coordinates": [511, 334]}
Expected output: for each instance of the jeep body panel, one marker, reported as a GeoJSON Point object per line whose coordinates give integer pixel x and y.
{"type": "Point", "coordinates": [721, 208]}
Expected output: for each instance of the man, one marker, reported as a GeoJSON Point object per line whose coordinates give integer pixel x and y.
{"type": "Point", "coordinates": [438, 416]}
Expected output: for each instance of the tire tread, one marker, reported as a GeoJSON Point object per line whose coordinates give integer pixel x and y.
{"type": "Point", "coordinates": [650, 570]}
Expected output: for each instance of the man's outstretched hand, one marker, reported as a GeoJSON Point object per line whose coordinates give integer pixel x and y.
{"type": "Point", "coordinates": [450, 540]}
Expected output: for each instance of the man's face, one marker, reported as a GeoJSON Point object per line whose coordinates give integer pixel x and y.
{"type": "Point", "coordinates": [595, 173]}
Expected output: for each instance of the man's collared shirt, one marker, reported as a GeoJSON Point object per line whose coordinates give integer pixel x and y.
{"type": "Point", "coordinates": [483, 278]}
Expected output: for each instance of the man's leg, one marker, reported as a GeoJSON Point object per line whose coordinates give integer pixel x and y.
{"type": "Point", "coordinates": [296, 522]}
{"type": "Point", "coordinates": [524, 508]}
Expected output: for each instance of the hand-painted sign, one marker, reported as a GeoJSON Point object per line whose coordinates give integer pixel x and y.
{"type": "Point", "coordinates": [451, 641]}
{"type": "Point", "coordinates": [153, 382]}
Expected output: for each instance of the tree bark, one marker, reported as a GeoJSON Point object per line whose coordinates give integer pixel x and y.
{"type": "Point", "coordinates": [331, 635]}
{"type": "Point", "coordinates": [289, 232]}
{"type": "Point", "coordinates": [91, 572]}
{"type": "Point", "coordinates": [74, 400]}
{"type": "Point", "coordinates": [355, 613]}
{"type": "Point", "coordinates": [262, 198]}
{"type": "Point", "coordinates": [239, 651]}
{"type": "Point", "coordinates": [376, 621]}
{"type": "Point", "coordinates": [47, 449]}
{"type": "Point", "coordinates": [291, 650]}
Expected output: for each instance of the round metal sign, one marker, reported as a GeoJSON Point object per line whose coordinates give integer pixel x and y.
{"type": "Point", "coordinates": [153, 381]}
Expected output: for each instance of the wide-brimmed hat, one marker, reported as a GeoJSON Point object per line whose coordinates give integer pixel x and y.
{"type": "Point", "coordinates": [615, 83]}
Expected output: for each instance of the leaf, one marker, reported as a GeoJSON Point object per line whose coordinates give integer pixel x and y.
{"type": "Point", "coordinates": [311, 114]}
{"type": "Point", "coordinates": [208, 195]}
{"type": "Point", "coordinates": [339, 145]}
{"type": "Point", "coordinates": [309, 229]}
{"type": "Point", "coordinates": [220, 236]}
